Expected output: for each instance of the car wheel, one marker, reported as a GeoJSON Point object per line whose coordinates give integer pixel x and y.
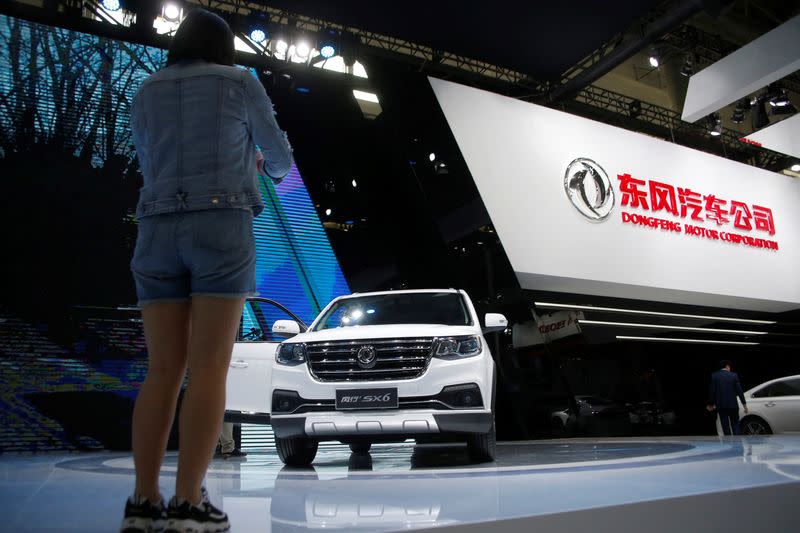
{"type": "Point", "coordinates": [296, 451]}
{"type": "Point", "coordinates": [482, 447]}
{"type": "Point", "coordinates": [754, 425]}
{"type": "Point", "coordinates": [360, 447]}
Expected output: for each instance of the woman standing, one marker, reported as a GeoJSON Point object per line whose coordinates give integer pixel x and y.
{"type": "Point", "coordinates": [196, 124]}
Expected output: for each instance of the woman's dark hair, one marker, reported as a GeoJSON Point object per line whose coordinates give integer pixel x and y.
{"type": "Point", "coordinates": [202, 35]}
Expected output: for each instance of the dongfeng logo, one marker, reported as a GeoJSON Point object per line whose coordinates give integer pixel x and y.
{"type": "Point", "coordinates": [366, 357]}
{"type": "Point", "coordinates": [589, 189]}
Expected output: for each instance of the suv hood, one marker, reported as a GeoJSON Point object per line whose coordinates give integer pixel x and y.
{"type": "Point", "coordinates": [395, 331]}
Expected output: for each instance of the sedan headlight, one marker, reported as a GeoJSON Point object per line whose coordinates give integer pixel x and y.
{"type": "Point", "coordinates": [456, 347]}
{"type": "Point", "coordinates": [291, 354]}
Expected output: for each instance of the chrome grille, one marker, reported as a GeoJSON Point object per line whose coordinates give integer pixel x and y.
{"type": "Point", "coordinates": [395, 359]}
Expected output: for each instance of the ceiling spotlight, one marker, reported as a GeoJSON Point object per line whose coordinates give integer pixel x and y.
{"type": "Point", "coordinates": [327, 44]}
{"type": "Point", "coordinates": [258, 35]}
{"type": "Point", "coordinates": [654, 62]}
{"type": "Point", "coordinates": [634, 108]}
{"type": "Point", "coordinates": [327, 51]}
{"type": "Point", "coordinates": [355, 183]}
{"type": "Point", "coordinates": [738, 112]}
{"type": "Point", "coordinates": [172, 12]}
{"type": "Point", "coordinates": [302, 49]}
{"type": "Point", "coordinates": [281, 46]}
{"type": "Point", "coordinates": [777, 96]}
{"type": "Point", "coordinates": [714, 125]}
{"type": "Point", "coordinates": [795, 167]}
{"type": "Point", "coordinates": [758, 115]}
{"type": "Point", "coordinates": [432, 157]}
{"type": "Point", "coordinates": [328, 211]}
{"type": "Point", "coordinates": [688, 66]}
{"type": "Point", "coordinates": [111, 5]}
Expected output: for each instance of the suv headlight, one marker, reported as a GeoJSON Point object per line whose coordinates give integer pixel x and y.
{"type": "Point", "coordinates": [456, 347]}
{"type": "Point", "coordinates": [291, 354]}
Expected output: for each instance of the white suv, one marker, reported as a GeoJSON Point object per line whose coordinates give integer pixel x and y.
{"type": "Point", "coordinates": [384, 367]}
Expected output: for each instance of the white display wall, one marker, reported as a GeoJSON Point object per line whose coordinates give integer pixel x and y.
{"type": "Point", "coordinates": [583, 207]}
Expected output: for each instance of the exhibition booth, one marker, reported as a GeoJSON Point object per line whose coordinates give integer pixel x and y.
{"type": "Point", "coordinates": [627, 266]}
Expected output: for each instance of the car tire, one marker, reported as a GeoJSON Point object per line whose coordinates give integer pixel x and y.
{"type": "Point", "coordinates": [755, 425]}
{"type": "Point", "coordinates": [296, 451]}
{"type": "Point", "coordinates": [360, 447]}
{"type": "Point", "coordinates": [482, 447]}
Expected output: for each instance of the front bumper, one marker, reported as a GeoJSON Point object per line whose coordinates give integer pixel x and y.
{"type": "Point", "coordinates": [409, 423]}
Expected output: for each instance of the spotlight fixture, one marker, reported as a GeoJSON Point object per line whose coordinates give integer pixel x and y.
{"type": "Point", "coordinates": [653, 59]}
{"type": "Point", "coordinates": [688, 66]}
{"type": "Point", "coordinates": [256, 24]}
{"type": "Point", "coordinates": [432, 157]}
{"type": "Point", "coordinates": [795, 167]}
{"type": "Point", "coordinates": [328, 44]}
{"type": "Point", "coordinates": [258, 35]}
{"type": "Point", "coordinates": [327, 51]}
{"type": "Point", "coordinates": [350, 45]}
{"type": "Point", "coordinates": [172, 12]}
{"type": "Point", "coordinates": [758, 114]}
{"type": "Point", "coordinates": [777, 96]}
{"type": "Point", "coordinates": [302, 49]}
{"type": "Point", "coordinates": [634, 108]}
{"type": "Point", "coordinates": [714, 125]}
{"type": "Point", "coordinates": [281, 46]}
{"type": "Point", "coordinates": [328, 211]}
{"type": "Point", "coordinates": [738, 112]}
{"type": "Point", "coordinates": [111, 5]}
{"type": "Point", "coordinates": [355, 184]}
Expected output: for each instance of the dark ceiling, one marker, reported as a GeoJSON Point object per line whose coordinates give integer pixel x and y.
{"type": "Point", "coordinates": [541, 39]}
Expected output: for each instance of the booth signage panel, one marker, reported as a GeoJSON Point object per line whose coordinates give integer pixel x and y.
{"type": "Point", "coordinates": [547, 328]}
{"type": "Point", "coordinates": [584, 207]}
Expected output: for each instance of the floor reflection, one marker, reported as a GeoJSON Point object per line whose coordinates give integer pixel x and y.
{"type": "Point", "coordinates": [402, 487]}
{"type": "Point", "coordinates": [307, 499]}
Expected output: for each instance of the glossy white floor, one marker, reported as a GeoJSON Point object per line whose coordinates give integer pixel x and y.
{"type": "Point", "coordinates": [695, 484]}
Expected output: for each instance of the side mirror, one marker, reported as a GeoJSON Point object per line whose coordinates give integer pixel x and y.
{"type": "Point", "coordinates": [285, 328]}
{"type": "Point", "coordinates": [495, 322]}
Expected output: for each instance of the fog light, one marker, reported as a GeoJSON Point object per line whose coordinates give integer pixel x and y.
{"type": "Point", "coordinates": [285, 401]}
{"type": "Point", "coordinates": [467, 395]}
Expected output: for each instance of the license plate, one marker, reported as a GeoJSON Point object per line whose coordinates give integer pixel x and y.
{"type": "Point", "coordinates": [366, 399]}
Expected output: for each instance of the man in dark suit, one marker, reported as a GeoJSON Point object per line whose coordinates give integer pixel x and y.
{"type": "Point", "coordinates": [725, 387]}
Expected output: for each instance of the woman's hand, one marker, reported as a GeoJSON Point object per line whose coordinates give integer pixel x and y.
{"type": "Point", "coordinates": [259, 159]}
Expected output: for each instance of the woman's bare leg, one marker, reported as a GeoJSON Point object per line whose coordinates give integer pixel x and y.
{"type": "Point", "coordinates": [214, 323]}
{"type": "Point", "coordinates": [166, 331]}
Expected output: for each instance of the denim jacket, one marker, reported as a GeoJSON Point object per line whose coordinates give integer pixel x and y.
{"type": "Point", "coordinates": [195, 127]}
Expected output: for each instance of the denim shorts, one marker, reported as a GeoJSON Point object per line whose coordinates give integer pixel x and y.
{"type": "Point", "coordinates": [192, 253]}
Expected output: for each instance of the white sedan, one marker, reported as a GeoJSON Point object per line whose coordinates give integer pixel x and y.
{"type": "Point", "coordinates": [774, 407]}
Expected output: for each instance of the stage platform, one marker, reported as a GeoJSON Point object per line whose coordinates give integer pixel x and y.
{"type": "Point", "coordinates": [641, 484]}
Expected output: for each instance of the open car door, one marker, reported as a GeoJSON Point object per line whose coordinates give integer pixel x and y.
{"type": "Point", "coordinates": [248, 395]}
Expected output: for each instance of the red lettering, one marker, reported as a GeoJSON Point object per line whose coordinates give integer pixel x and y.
{"type": "Point", "coordinates": [764, 220]}
{"type": "Point", "coordinates": [690, 200]}
{"type": "Point", "coordinates": [631, 195]}
{"type": "Point", "coordinates": [662, 196]}
{"type": "Point", "coordinates": [715, 209]}
{"type": "Point", "coordinates": [741, 214]}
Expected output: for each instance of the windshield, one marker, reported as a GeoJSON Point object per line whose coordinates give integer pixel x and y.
{"type": "Point", "coordinates": [445, 308]}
